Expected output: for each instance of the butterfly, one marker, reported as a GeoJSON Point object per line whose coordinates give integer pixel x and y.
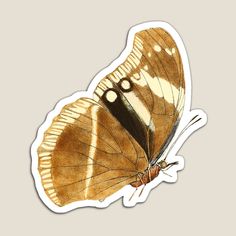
{"type": "Point", "coordinates": [118, 134]}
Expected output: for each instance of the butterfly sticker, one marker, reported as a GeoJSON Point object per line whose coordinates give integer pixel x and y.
{"type": "Point", "coordinates": [119, 138]}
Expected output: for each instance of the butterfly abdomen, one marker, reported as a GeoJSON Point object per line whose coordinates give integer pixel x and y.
{"type": "Point", "coordinates": [147, 176]}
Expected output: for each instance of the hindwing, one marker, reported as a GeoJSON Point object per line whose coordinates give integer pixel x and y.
{"type": "Point", "coordinates": [87, 154]}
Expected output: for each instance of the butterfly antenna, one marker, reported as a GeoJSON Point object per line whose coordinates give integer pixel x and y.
{"type": "Point", "coordinates": [171, 164]}
{"type": "Point", "coordinates": [194, 120]}
{"type": "Point", "coordinates": [168, 167]}
{"type": "Point", "coordinates": [141, 190]}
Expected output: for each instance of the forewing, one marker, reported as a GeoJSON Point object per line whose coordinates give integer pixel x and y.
{"type": "Point", "coordinates": [146, 92]}
{"type": "Point", "coordinates": [86, 154]}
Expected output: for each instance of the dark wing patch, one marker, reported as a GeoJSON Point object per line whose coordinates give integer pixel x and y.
{"type": "Point", "coordinates": [153, 105]}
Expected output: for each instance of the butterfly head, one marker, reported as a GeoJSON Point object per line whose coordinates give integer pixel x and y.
{"type": "Point", "coordinates": [163, 165]}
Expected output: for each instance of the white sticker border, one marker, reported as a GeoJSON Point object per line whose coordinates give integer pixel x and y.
{"type": "Point", "coordinates": [130, 195]}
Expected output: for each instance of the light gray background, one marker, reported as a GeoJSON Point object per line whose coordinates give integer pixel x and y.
{"type": "Point", "coordinates": [50, 49]}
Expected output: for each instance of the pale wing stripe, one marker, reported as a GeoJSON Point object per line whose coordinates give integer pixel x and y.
{"type": "Point", "coordinates": [170, 92]}
{"type": "Point", "coordinates": [139, 107]}
{"type": "Point", "coordinates": [157, 54]}
{"type": "Point", "coordinates": [173, 51]}
{"type": "Point", "coordinates": [160, 62]}
{"type": "Point", "coordinates": [114, 138]}
{"type": "Point", "coordinates": [68, 115]}
{"type": "Point", "coordinates": [92, 149]}
{"type": "Point", "coordinates": [140, 80]}
{"type": "Point", "coordinates": [101, 138]}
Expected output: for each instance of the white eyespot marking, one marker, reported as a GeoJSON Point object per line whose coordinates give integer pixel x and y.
{"type": "Point", "coordinates": [145, 67]}
{"type": "Point", "coordinates": [111, 96]}
{"type": "Point", "coordinates": [149, 54]}
{"type": "Point", "coordinates": [125, 84]}
{"type": "Point", "coordinates": [173, 50]}
{"type": "Point", "coordinates": [168, 51]}
{"type": "Point", "coordinates": [157, 48]}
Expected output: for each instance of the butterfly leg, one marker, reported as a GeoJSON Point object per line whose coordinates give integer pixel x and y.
{"type": "Point", "coordinates": [133, 194]}
{"type": "Point", "coordinates": [141, 180]}
{"type": "Point", "coordinates": [166, 174]}
{"type": "Point", "coordinates": [149, 173]}
{"type": "Point", "coordinates": [144, 184]}
{"type": "Point", "coordinates": [142, 190]}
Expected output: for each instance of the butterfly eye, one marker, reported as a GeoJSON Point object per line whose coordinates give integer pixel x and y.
{"type": "Point", "coordinates": [125, 85]}
{"type": "Point", "coordinates": [111, 96]}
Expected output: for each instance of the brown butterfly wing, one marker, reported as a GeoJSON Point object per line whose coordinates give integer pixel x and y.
{"type": "Point", "coordinates": [95, 147]}
{"type": "Point", "coordinates": [149, 88]}
{"type": "Point", "coordinates": [86, 154]}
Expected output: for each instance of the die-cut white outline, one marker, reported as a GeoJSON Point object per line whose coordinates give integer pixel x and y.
{"type": "Point", "coordinates": [127, 191]}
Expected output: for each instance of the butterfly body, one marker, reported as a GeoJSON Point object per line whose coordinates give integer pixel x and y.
{"type": "Point", "coordinates": [146, 177]}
